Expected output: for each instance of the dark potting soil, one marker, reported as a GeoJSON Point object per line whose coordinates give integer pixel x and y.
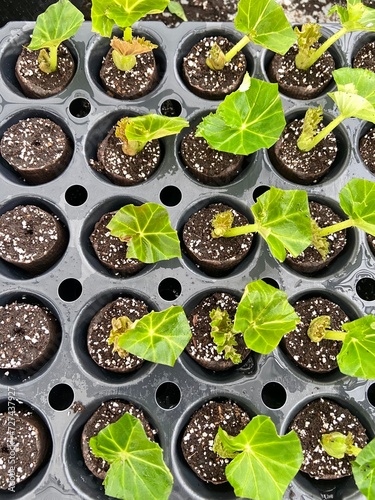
{"type": "Point", "coordinates": [107, 413]}
{"type": "Point", "coordinates": [100, 328]}
{"type": "Point", "coordinates": [320, 417]}
{"type": "Point", "coordinates": [298, 166]}
{"type": "Point", "coordinates": [23, 451]}
{"type": "Point", "coordinates": [123, 169]}
{"type": "Point", "coordinates": [315, 357]}
{"type": "Point", "coordinates": [29, 336]}
{"type": "Point", "coordinates": [132, 84]}
{"type": "Point", "coordinates": [209, 166]}
{"type": "Point", "coordinates": [215, 256]}
{"type": "Point", "coordinates": [37, 84]}
{"type": "Point", "coordinates": [37, 148]}
{"type": "Point", "coordinates": [365, 57]}
{"type": "Point", "coordinates": [201, 346]}
{"type": "Point", "coordinates": [198, 438]}
{"type": "Point", "coordinates": [31, 238]}
{"type": "Point", "coordinates": [367, 149]}
{"type": "Point", "coordinates": [111, 251]}
{"type": "Point", "coordinates": [310, 261]}
{"type": "Point", "coordinates": [208, 83]}
{"type": "Point", "coordinates": [300, 84]}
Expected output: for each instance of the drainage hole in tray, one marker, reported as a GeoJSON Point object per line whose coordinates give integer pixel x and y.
{"type": "Point", "coordinates": [61, 397]}
{"type": "Point", "coordinates": [366, 288]}
{"type": "Point", "coordinates": [76, 195]}
{"type": "Point", "coordinates": [259, 191]}
{"type": "Point", "coordinates": [170, 107]}
{"type": "Point", "coordinates": [80, 107]}
{"type": "Point", "coordinates": [271, 281]}
{"type": "Point", "coordinates": [170, 196]}
{"type": "Point", "coordinates": [371, 394]}
{"type": "Point", "coordinates": [273, 395]}
{"type": "Point", "coordinates": [169, 289]}
{"type": "Point", "coordinates": [70, 289]}
{"type": "Point", "coordinates": [168, 395]}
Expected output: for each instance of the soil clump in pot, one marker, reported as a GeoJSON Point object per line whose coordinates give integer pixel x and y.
{"type": "Point", "coordinates": [108, 413]}
{"type": "Point", "coordinates": [365, 57]}
{"type": "Point", "coordinates": [31, 238]}
{"type": "Point", "coordinates": [314, 357]}
{"type": "Point", "coordinates": [37, 84]}
{"type": "Point", "coordinates": [302, 167]}
{"type": "Point", "coordinates": [198, 438]}
{"type": "Point", "coordinates": [132, 84]}
{"type": "Point", "coordinates": [310, 261]}
{"type": "Point", "coordinates": [29, 336]}
{"type": "Point", "coordinates": [298, 83]}
{"type": "Point", "coordinates": [367, 149]}
{"type": "Point", "coordinates": [202, 347]}
{"type": "Point", "coordinates": [324, 416]}
{"type": "Point", "coordinates": [36, 148]}
{"type": "Point", "coordinates": [208, 83]}
{"type": "Point", "coordinates": [100, 328]}
{"type": "Point", "coordinates": [30, 442]}
{"type": "Point", "coordinates": [123, 169]}
{"type": "Point", "coordinates": [208, 165]}
{"type": "Point", "coordinates": [111, 251]}
{"type": "Point", "coordinates": [215, 256]}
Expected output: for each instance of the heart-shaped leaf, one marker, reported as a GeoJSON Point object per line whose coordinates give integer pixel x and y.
{"type": "Point", "coordinates": [264, 316]}
{"type": "Point", "coordinates": [137, 469]}
{"type": "Point", "coordinates": [266, 462]}
{"type": "Point", "coordinates": [246, 120]}
{"type": "Point", "coordinates": [148, 232]}
{"type": "Point", "coordinates": [159, 337]}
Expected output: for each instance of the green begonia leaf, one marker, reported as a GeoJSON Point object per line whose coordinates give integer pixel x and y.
{"type": "Point", "coordinates": [266, 462]}
{"type": "Point", "coordinates": [265, 23]}
{"type": "Point", "coordinates": [148, 232]}
{"type": "Point", "coordinates": [264, 316]}
{"type": "Point", "coordinates": [246, 120]}
{"type": "Point", "coordinates": [357, 199]}
{"type": "Point", "coordinates": [123, 13]}
{"type": "Point", "coordinates": [59, 22]}
{"type": "Point", "coordinates": [159, 337]}
{"type": "Point", "coordinates": [357, 355]}
{"type": "Point", "coordinates": [356, 16]}
{"type": "Point", "coordinates": [364, 470]}
{"type": "Point", "coordinates": [152, 126]}
{"type": "Point", "coordinates": [355, 95]}
{"type": "Point", "coordinates": [283, 220]}
{"type": "Point", "coordinates": [137, 470]}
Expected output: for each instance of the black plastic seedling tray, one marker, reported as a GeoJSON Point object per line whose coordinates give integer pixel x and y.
{"type": "Point", "coordinates": [78, 286]}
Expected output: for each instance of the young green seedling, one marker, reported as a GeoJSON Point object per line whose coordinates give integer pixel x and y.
{"type": "Point", "coordinates": [354, 97]}
{"type": "Point", "coordinates": [282, 218]}
{"type": "Point", "coordinates": [137, 470]}
{"type": "Point", "coordinates": [355, 17]}
{"type": "Point", "coordinates": [264, 23]}
{"type": "Point", "coordinates": [135, 132]}
{"type": "Point", "coordinates": [357, 355]}
{"type": "Point", "coordinates": [248, 119]}
{"type": "Point", "coordinates": [105, 15]}
{"type": "Point", "coordinates": [264, 463]}
{"type": "Point", "coordinates": [159, 337]}
{"type": "Point", "coordinates": [357, 200]}
{"type": "Point", "coordinates": [59, 22]}
{"type": "Point", "coordinates": [263, 316]}
{"type": "Point", "coordinates": [338, 445]}
{"type": "Point", "coordinates": [147, 231]}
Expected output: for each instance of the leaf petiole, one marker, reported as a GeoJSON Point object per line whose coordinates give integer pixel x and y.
{"type": "Point", "coordinates": [236, 48]}
{"type": "Point", "coordinates": [307, 145]}
{"type": "Point", "coordinates": [238, 231]}
{"type": "Point", "coordinates": [339, 226]}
